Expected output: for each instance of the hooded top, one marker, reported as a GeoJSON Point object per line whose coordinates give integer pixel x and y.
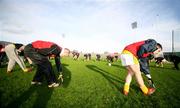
{"type": "Point", "coordinates": [143, 48]}
{"type": "Point", "coordinates": [46, 48]}
{"type": "Point", "coordinates": [49, 48]}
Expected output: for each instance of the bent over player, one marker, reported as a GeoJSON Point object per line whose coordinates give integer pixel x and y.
{"type": "Point", "coordinates": [129, 58]}
{"type": "Point", "coordinates": [38, 52]}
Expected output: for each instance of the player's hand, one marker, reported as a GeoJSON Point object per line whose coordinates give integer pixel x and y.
{"type": "Point", "coordinates": [60, 77]}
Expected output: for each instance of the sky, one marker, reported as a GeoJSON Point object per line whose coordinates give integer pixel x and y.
{"type": "Point", "coordinates": [90, 25]}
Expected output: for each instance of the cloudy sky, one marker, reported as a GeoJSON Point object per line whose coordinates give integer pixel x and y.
{"type": "Point", "coordinates": [90, 25]}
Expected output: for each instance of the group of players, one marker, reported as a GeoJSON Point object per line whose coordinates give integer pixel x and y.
{"type": "Point", "coordinates": [37, 53]}
{"type": "Point", "coordinates": [135, 58]}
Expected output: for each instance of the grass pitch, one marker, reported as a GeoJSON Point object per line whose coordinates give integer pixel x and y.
{"type": "Point", "coordinates": [89, 84]}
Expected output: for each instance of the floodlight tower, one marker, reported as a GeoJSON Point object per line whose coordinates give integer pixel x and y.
{"type": "Point", "coordinates": [172, 41]}
{"type": "Point", "coordinates": [174, 38]}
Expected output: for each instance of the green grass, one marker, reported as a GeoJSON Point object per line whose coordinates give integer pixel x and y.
{"type": "Point", "coordinates": [91, 84]}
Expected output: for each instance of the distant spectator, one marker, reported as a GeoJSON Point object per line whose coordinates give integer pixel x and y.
{"type": "Point", "coordinates": [110, 59]}
{"type": "Point", "coordinates": [116, 55]}
{"type": "Point", "coordinates": [75, 54]}
{"type": "Point", "coordinates": [87, 56]}
{"type": "Point", "coordinates": [176, 60]}
{"type": "Point", "coordinates": [66, 52]}
{"type": "Point", "coordinates": [159, 59]}
{"type": "Point", "coordinates": [98, 57]}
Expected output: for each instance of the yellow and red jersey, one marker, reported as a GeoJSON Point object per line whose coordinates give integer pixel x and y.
{"type": "Point", "coordinates": [142, 49]}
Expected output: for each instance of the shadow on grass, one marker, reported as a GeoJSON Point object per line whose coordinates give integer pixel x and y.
{"type": "Point", "coordinates": [40, 94]}
{"type": "Point", "coordinates": [165, 68]}
{"type": "Point", "coordinates": [111, 78]}
{"type": "Point", "coordinates": [3, 65]}
{"type": "Point", "coordinates": [43, 94]}
{"type": "Point", "coordinates": [1, 99]}
{"type": "Point", "coordinates": [118, 66]}
{"type": "Point", "coordinates": [66, 75]}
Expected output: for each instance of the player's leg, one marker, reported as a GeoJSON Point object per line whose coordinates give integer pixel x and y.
{"type": "Point", "coordinates": [10, 54]}
{"type": "Point", "coordinates": [136, 70]}
{"type": "Point", "coordinates": [11, 64]}
{"type": "Point", "coordinates": [127, 60]}
{"type": "Point", "coordinates": [14, 56]}
{"type": "Point", "coordinates": [38, 77]}
{"type": "Point", "coordinates": [128, 81]}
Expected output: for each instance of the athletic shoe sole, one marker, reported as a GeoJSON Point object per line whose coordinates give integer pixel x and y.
{"type": "Point", "coordinates": [53, 85]}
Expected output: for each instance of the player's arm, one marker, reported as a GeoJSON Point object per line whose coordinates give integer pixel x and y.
{"type": "Point", "coordinates": [144, 67]}
{"type": "Point", "coordinates": [58, 64]}
{"type": "Point", "coordinates": [59, 67]}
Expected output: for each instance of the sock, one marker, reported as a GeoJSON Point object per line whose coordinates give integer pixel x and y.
{"type": "Point", "coordinates": [144, 89]}
{"type": "Point", "coordinates": [126, 87]}
{"type": "Point", "coordinates": [25, 70]}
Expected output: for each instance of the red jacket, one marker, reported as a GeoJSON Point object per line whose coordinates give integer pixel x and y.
{"type": "Point", "coordinates": [46, 48]}
{"type": "Point", "coordinates": [134, 47]}
{"type": "Point", "coordinates": [142, 48]}
{"type": "Point", "coordinates": [42, 44]}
